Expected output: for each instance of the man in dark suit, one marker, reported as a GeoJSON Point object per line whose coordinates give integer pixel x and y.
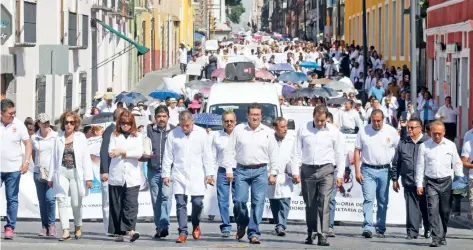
{"type": "Point", "coordinates": [104, 165]}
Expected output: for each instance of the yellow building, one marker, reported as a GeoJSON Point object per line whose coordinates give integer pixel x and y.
{"type": "Point", "coordinates": [388, 28]}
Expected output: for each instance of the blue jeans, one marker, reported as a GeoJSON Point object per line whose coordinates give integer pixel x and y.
{"type": "Point", "coordinates": [161, 198]}
{"type": "Point", "coordinates": [333, 203]}
{"type": "Point", "coordinates": [181, 211]}
{"type": "Point", "coordinates": [375, 185]}
{"type": "Point", "coordinates": [280, 210]}
{"type": "Point", "coordinates": [223, 197]}
{"type": "Point", "coordinates": [47, 202]}
{"type": "Point", "coordinates": [257, 179]}
{"type": "Point", "coordinates": [12, 186]}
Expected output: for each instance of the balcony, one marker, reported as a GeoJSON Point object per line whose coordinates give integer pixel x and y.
{"type": "Point", "coordinates": [101, 5]}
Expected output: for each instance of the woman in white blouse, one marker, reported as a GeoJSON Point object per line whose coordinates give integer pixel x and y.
{"type": "Point", "coordinates": [43, 144]}
{"type": "Point", "coordinates": [391, 104]}
{"type": "Point", "coordinates": [70, 173]}
{"type": "Point", "coordinates": [124, 179]}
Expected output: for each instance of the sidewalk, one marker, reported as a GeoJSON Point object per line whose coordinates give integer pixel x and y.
{"type": "Point", "coordinates": [462, 219]}
{"type": "Point", "coordinates": [154, 80]}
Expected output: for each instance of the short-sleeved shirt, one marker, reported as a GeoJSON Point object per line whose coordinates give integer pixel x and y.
{"type": "Point", "coordinates": [377, 147]}
{"type": "Point", "coordinates": [467, 152]}
{"type": "Point", "coordinates": [11, 138]}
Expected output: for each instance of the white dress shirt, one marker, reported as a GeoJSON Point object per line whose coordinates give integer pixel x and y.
{"type": "Point", "coordinates": [105, 108]}
{"type": "Point", "coordinates": [437, 161]}
{"type": "Point", "coordinates": [126, 170]}
{"type": "Point", "coordinates": [349, 119]}
{"type": "Point", "coordinates": [449, 114]}
{"type": "Point", "coordinates": [219, 143]}
{"type": "Point", "coordinates": [377, 147]}
{"type": "Point", "coordinates": [190, 158]}
{"type": "Point", "coordinates": [319, 146]}
{"type": "Point", "coordinates": [43, 149]}
{"type": "Point", "coordinates": [468, 153]}
{"type": "Point", "coordinates": [252, 147]}
{"type": "Point", "coordinates": [173, 116]}
{"type": "Point", "coordinates": [355, 73]}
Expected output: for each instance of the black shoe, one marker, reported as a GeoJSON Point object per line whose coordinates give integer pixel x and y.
{"type": "Point", "coordinates": [411, 237]}
{"type": "Point", "coordinates": [225, 234]}
{"type": "Point", "coordinates": [367, 234]}
{"type": "Point", "coordinates": [157, 235]}
{"type": "Point", "coordinates": [443, 242]}
{"type": "Point", "coordinates": [323, 242]}
{"type": "Point", "coordinates": [309, 240]}
{"type": "Point", "coordinates": [164, 233]}
{"type": "Point", "coordinates": [427, 234]}
{"type": "Point", "coordinates": [280, 231]}
{"type": "Point", "coordinates": [241, 231]}
{"type": "Point", "coordinates": [380, 235]}
{"type": "Point", "coordinates": [434, 244]}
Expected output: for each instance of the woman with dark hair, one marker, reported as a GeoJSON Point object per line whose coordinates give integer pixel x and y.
{"type": "Point", "coordinates": [126, 147]}
{"type": "Point", "coordinates": [70, 173]}
{"type": "Point", "coordinates": [30, 125]}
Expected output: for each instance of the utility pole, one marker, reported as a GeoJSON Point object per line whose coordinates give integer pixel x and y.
{"type": "Point", "coordinates": [305, 22]}
{"type": "Point", "coordinates": [317, 29]}
{"type": "Point", "coordinates": [413, 78]}
{"type": "Point", "coordinates": [365, 42]}
{"type": "Point", "coordinates": [339, 21]}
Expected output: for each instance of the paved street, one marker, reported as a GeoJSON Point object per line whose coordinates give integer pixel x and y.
{"type": "Point", "coordinates": [348, 237]}
{"type": "Point", "coordinates": [154, 80]}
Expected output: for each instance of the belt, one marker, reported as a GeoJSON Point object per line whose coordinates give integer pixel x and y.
{"type": "Point", "coordinates": [316, 166]}
{"type": "Point", "coordinates": [439, 180]}
{"type": "Point", "coordinates": [253, 165]}
{"type": "Point", "coordinates": [377, 166]}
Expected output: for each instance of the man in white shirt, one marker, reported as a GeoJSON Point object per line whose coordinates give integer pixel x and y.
{"type": "Point", "coordinates": [349, 120]}
{"type": "Point", "coordinates": [224, 179]}
{"type": "Point", "coordinates": [427, 109]}
{"type": "Point", "coordinates": [280, 194]}
{"type": "Point", "coordinates": [319, 148]}
{"type": "Point", "coordinates": [375, 146]}
{"type": "Point", "coordinates": [437, 162]}
{"type": "Point", "coordinates": [13, 162]}
{"type": "Point", "coordinates": [253, 147]}
{"type": "Point", "coordinates": [467, 159]}
{"type": "Point", "coordinates": [107, 106]}
{"type": "Point", "coordinates": [448, 114]}
{"type": "Point", "coordinates": [183, 48]}
{"type": "Point", "coordinates": [187, 160]}
{"type": "Point", "coordinates": [355, 72]}
{"type": "Point", "coordinates": [173, 112]}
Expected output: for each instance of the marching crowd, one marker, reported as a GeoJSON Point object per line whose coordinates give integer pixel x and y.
{"type": "Point", "coordinates": [250, 160]}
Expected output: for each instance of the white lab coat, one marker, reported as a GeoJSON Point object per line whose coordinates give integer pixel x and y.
{"type": "Point", "coordinates": [283, 187]}
{"type": "Point", "coordinates": [126, 170]}
{"type": "Point", "coordinates": [82, 162]}
{"type": "Point", "coordinates": [191, 161]}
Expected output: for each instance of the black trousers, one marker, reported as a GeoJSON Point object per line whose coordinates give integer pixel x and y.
{"type": "Point", "coordinates": [123, 209]}
{"type": "Point", "coordinates": [416, 210]}
{"type": "Point", "coordinates": [450, 131]}
{"type": "Point", "coordinates": [317, 186]}
{"type": "Point", "coordinates": [439, 202]}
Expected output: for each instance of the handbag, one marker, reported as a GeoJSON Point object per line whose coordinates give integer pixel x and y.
{"type": "Point", "coordinates": [43, 171]}
{"type": "Point", "coordinates": [147, 150]}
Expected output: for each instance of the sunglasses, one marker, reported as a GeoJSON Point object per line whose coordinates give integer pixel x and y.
{"type": "Point", "coordinates": [126, 123]}
{"type": "Point", "coordinates": [412, 127]}
{"type": "Point", "coordinates": [70, 123]}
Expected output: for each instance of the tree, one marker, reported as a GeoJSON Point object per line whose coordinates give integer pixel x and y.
{"type": "Point", "coordinates": [236, 13]}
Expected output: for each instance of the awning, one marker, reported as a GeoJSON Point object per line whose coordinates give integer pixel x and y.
{"type": "Point", "coordinates": [141, 49]}
{"type": "Point", "coordinates": [7, 64]}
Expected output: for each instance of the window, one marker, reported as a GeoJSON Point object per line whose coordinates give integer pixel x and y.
{"type": "Point", "coordinates": [29, 28]}
{"type": "Point", "coordinates": [83, 91]}
{"type": "Point", "coordinates": [40, 95]}
{"type": "Point", "coordinates": [72, 29]}
{"type": "Point", "coordinates": [373, 34]}
{"type": "Point", "coordinates": [368, 30]}
{"type": "Point", "coordinates": [394, 30]}
{"type": "Point", "coordinates": [380, 24]}
{"type": "Point", "coordinates": [68, 93]}
{"type": "Point", "coordinates": [85, 31]}
{"type": "Point", "coordinates": [402, 38]}
{"type": "Point", "coordinates": [386, 30]}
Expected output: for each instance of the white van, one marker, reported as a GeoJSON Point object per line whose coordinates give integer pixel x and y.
{"type": "Point", "coordinates": [237, 96]}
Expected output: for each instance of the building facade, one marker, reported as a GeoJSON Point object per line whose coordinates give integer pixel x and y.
{"type": "Point", "coordinates": [46, 56]}
{"type": "Point", "coordinates": [450, 56]}
{"type": "Point", "coordinates": [388, 28]}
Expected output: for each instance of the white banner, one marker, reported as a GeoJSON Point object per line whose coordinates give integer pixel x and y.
{"type": "Point", "coordinates": [349, 200]}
